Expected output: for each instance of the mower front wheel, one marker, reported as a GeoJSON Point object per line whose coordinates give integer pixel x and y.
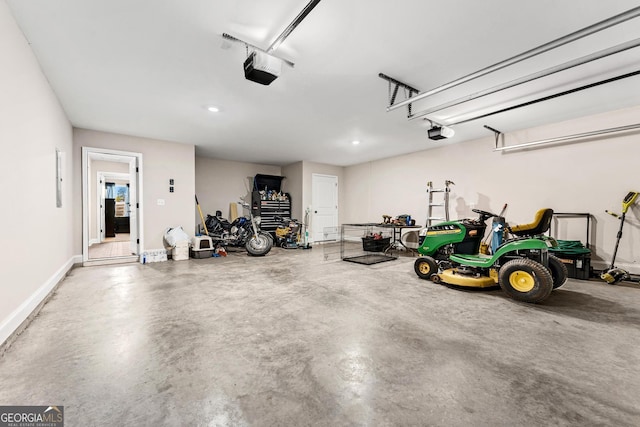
{"type": "Point", "coordinates": [525, 280]}
{"type": "Point", "coordinates": [425, 267]}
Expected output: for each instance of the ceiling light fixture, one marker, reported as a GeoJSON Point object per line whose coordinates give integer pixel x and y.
{"type": "Point", "coordinates": [213, 109]}
{"type": "Point", "coordinates": [355, 142]}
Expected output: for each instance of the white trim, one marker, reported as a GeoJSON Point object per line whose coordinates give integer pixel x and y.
{"type": "Point", "coordinates": [110, 261]}
{"type": "Point", "coordinates": [105, 154]}
{"type": "Point", "coordinates": [11, 324]}
{"type": "Point", "coordinates": [85, 202]}
{"type": "Point", "coordinates": [122, 176]}
{"type": "Point", "coordinates": [139, 216]}
{"type": "Point", "coordinates": [99, 204]}
{"type": "Point", "coordinates": [101, 181]}
{"type": "Point", "coordinates": [93, 242]}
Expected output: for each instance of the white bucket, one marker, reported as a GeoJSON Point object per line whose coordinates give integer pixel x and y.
{"type": "Point", "coordinates": [180, 252]}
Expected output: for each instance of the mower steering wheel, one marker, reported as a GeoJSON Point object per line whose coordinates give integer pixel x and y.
{"type": "Point", "coordinates": [484, 214]}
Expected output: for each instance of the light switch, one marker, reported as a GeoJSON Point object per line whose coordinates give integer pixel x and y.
{"type": "Point", "coordinates": [160, 202]}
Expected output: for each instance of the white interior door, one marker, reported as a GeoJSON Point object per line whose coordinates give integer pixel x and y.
{"type": "Point", "coordinates": [133, 204]}
{"type": "Point", "coordinates": [324, 200]}
{"type": "Point", "coordinates": [101, 197]}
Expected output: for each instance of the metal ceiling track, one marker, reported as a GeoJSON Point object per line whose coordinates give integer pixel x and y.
{"type": "Point", "coordinates": [397, 85]}
{"type": "Point", "coordinates": [235, 39]}
{"type": "Point", "coordinates": [547, 98]}
{"type": "Point", "coordinates": [570, 137]}
{"type": "Point", "coordinates": [531, 77]}
{"type": "Point", "coordinates": [496, 133]}
{"type": "Point", "coordinates": [607, 23]}
{"type": "Point", "coordinates": [282, 37]}
{"type": "Point", "coordinates": [298, 19]}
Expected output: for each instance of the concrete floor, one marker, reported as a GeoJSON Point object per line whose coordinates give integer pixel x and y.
{"type": "Point", "coordinates": [291, 339]}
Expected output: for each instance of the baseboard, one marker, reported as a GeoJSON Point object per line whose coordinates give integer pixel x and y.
{"type": "Point", "coordinates": [111, 261]}
{"type": "Point", "coordinates": [17, 321]}
{"type": "Point", "coordinates": [94, 242]}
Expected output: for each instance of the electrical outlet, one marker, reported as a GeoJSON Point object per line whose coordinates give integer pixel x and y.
{"type": "Point", "coordinates": [160, 202]}
{"type": "Point", "coordinates": [171, 189]}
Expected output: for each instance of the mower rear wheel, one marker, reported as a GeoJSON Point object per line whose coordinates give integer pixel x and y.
{"type": "Point", "coordinates": [425, 266]}
{"type": "Point", "coordinates": [558, 271]}
{"type": "Point", "coordinates": [525, 280]}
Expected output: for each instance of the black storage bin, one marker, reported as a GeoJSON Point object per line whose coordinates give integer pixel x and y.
{"type": "Point", "coordinates": [578, 265]}
{"type": "Point", "coordinates": [370, 244]}
{"type": "Point", "coordinates": [269, 182]}
{"type": "Point", "coordinates": [201, 253]}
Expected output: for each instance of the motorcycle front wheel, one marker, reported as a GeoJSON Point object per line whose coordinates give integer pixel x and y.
{"type": "Point", "coordinates": [259, 245]}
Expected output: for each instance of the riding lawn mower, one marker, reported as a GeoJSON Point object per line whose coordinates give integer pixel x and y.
{"type": "Point", "coordinates": [521, 265]}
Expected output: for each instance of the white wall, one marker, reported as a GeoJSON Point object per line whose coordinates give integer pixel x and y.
{"type": "Point", "coordinates": [222, 182]}
{"type": "Point", "coordinates": [36, 249]}
{"type": "Point", "coordinates": [293, 185]}
{"type": "Point", "coordinates": [161, 161]}
{"type": "Point", "coordinates": [587, 176]}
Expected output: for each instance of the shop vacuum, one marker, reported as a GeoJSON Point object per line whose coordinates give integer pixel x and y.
{"type": "Point", "coordinates": [614, 275]}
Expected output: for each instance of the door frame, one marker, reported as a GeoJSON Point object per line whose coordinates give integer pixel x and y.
{"type": "Point", "coordinates": [313, 199]}
{"type": "Point", "coordinates": [89, 153]}
{"type": "Point", "coordinates": [101, 180]}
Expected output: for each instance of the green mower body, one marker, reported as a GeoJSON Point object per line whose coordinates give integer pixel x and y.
{"type": "Point", "coordinates": [465, 237]}
{"type": "Point", "coordinates": [521, 266]}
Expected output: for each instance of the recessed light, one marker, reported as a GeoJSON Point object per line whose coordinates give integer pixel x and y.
{"type": "Point", "coordinates": [355, 142]}
{"type": "Point", "coordinates": [213, 109]}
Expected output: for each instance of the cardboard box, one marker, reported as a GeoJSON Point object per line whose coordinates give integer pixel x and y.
{"type": "Point", "coordinates": [180, 251]}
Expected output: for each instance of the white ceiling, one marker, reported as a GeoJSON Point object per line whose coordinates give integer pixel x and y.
{"type": "Point", "coordinates": [150, 68]}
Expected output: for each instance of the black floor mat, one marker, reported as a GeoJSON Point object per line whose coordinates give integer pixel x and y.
{"type": "Point", "coordinates": [369, 259]}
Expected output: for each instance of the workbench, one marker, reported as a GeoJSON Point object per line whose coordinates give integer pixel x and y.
{"type": "Point", "coordinates": [353, 246]}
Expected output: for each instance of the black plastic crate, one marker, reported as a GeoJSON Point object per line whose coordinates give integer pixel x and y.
{"type": "Point", "coordinates": [370, 244]}
{"type": "Point", "coordinates": [578, 265]}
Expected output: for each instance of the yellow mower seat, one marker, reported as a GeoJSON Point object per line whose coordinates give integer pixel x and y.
{"type": "Point", "coordinates": [540, 224]}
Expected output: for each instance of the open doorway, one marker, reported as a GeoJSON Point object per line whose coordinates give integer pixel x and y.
{"type": "Point", "coordinates": [112, 212]}
{"type": "Point", "coordinates": [111, 206]}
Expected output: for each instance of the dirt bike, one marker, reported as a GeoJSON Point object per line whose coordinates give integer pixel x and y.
{"type": "Point", "coordinates": [521, 265]}
{"type": "Point", "coordinates": [241, 232]}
